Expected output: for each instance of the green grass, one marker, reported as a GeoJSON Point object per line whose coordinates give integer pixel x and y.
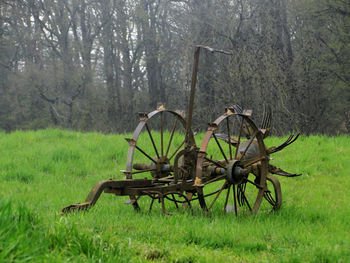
{"type": "Point", "coordinates": [43, 171]}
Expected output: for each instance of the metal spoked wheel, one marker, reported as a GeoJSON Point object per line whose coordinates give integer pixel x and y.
{"type": "Point", "coordinates": [232, 162]}
{"type": "Point", "coordinates": [153, 148]}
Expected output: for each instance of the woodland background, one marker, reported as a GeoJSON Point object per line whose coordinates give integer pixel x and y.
{"type": "Point", "coordinates": [93, 64]}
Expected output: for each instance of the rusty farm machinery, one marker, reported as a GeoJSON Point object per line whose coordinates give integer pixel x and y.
{"type": "Point", "coordinates": [166, 165]}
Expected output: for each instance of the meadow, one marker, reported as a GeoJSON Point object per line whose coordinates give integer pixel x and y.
{"type": "Point", "coordinates": [43, 171]}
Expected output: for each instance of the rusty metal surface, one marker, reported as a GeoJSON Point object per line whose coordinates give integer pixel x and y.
{"type": "Point", "coordinates": [232, 155]}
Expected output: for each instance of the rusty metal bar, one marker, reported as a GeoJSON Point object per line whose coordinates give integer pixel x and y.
{"type": "Point", "coordinates": [221, 150]}
{"type": "Point", "coordinates": [214, 162]}
{"type": "Point", "coordinates": [229, 137]}
{"type": "Point", "coordinates": [217, 196]}
{"type": "Point", "coordinates": [151, 137]}
{"type": "Point", "coordinates": [177, 149]}
{"type": "Point", "coordinates": [149, 157]}
{"type": "Point", "coordinates": [239, 137]}
{"type": "Point", "coordinates": [161, 134]}
{"type": "Point", "coordinates": [250, 142]}
{"type": "Point", "coordinates": [193, 89]}
{"type": "Point", "coordinates": [171, 136]}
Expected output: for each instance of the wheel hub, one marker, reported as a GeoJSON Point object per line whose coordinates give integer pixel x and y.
{"type": "Point", "coordinates": [162, 167]}
{"type": "Point", "coordinates": [235, 172]}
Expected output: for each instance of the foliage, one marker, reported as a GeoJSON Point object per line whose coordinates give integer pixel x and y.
{"type": "Point", "coordinates": [92, 65]}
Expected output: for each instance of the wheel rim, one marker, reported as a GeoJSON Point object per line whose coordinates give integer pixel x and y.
{"type": "Point", "coordinates": [161, 151]}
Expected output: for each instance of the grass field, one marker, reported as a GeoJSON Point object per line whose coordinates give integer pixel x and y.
{"type": "Point", "coordinates": [43, 171]}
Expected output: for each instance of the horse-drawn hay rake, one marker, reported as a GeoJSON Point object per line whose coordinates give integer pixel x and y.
{"type": "Point", "coordinates": [232, 157]}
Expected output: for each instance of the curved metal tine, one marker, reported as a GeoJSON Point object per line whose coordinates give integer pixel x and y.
{"type": "Point", "coordinates": [241, 188]}
{"type": "Point", "coordinates": [249, 143]}
{"type": "Point", "coordinates": [258, 186]}
{"type": "Point", "coordinates": [239, 194]}
{"type": "Point", "coordinates": [268, 199]}
{"type": "Point", "coordinates": [226, 200]}
{"type": "Point", "coordinates": [272, 198]}
{"type": "Point", "coordinates": [151, 137]}
{"type": "Point", "coordinates": [221, 150]}
{"type": "Point", "coordinates": [234, 198]}
{"type": "Point", "coordinates": [189, 196]}
{"type": "Point", "coordinates": [289, 141]}
{"type": "Point", "coordinates": [185, 203]}
{"type": "Point", "coordinates": [189, 204]}
{"type": "Point", "coordinates": [177, 149]}
{"type": "Point", "coordinates": [266, 118]}
{"type": "Point", "coordinates": [239, 137]}
{"type": "Point", "coordinates": [173, 200]}
{"type": "Point", "coordinates": [171, 135]}
{"type": "Point", "coordinates": [161, 197]}
{"type": "Point", "coordinates": [145, 154]}
{"type": "Point", "coordinates": [245, 198]}
{"type": "Point", "coordinates": [214, 162]}
{"type": "Point", "coordinates": [216, 197]}
{"type": "Point", "coordinates": [172, 195]}
{"type": "Point", "coordinates": [161, 134]}
{"type": "Point", "coordinates": [229, 137]}
{"type": "Point", "coordinates": [151, 205]}
{"type": "Point", "coordinates": [244, 187]}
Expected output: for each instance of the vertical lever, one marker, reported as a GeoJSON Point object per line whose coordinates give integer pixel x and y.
{"type": "Point", "coordinates": [193, 89]}
{"type": "Point", "coordinates": [193, 85]}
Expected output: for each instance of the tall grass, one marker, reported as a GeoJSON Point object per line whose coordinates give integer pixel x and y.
{"type": "Point", "coordinates": [43, 171]}
{"type": "Point", "coordinates": [24, 238]}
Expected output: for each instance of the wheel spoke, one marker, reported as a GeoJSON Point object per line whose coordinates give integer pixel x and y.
{"type": "Point", "coordinates": [227, 196]}
{"type": "Point", "coordinates": [161, 134]}
{"type": "Point", "coordinates": [258, 186]}
{"type": "Point", "coordinates": [239, 194]}
{"type": "Point", "coordinates": [216, 197]}
{"type": "Point", "coordinates": [249, 143]}
{"type": "Point", "coordinates": [171, 136]}
{"type": "Point", "coordinates": [247, 202]}
{"type": "Point", "coordinates": [229, 137]}
{"type": "Point", "coordinates": [239, 137]}
{"type": "Point", "coordinates": [218, 178]}
{"type": "Point", "coordinates": [151, 137]}
{"type": "Point", "coordinates": [145, 154]}
{"type": "Point", "coordinates": [221, 150]}
{"type": "Point", "coordinates": [214, 162]}
{"type": "Point", "coordinates": [234, 198]}
{"type": "Point", "coordinates": [177, 149]}
{"type": "Point", "coordinates": [251, 161]}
